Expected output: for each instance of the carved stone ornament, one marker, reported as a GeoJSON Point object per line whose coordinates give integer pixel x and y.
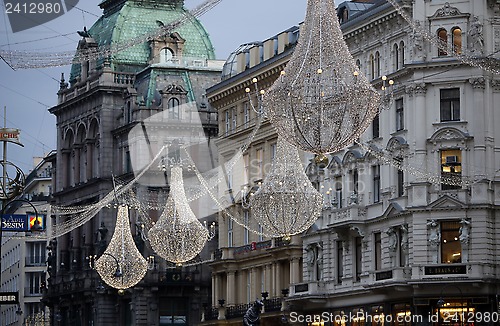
{"type": "Point", "coordinates": [447, 11]}
{"type": "Point", "coordinates": [478, 82]}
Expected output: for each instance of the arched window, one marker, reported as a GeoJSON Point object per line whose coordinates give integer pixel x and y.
{"type": "Point", "coordinates": [456, 35]}
{"type": "Point", "coordinates": [166, 55]}
{"type": "Point", "coordinates": [377, 64]}
{"type": "Point", "coordinates": [372, 66]}
{"type": "Point", "coordinates": [401, 54]}
{"type": "Point", "coordinates": [443, 42]}
{"type": "Point", "coordinates": [173, 108]}
{"type": "Point", "coordinates": [396, 56]}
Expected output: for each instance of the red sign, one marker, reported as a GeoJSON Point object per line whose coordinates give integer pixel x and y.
{"type": "Point", "coordinates": [10, 135]}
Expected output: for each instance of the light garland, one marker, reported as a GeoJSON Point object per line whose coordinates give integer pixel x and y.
{"type": "Point", "coordinates": [31, 59]}
{"type": "Point", "coordinates": [178, 236]}
{"type": "Point", "coordinates": [121, 266]}
{"type": "Point", "coordinates": [321, 103]}
{"type": "Point", "coordinates": [286, 204]}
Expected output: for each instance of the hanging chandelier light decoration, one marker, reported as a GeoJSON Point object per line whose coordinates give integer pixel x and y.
{"type": "Point", "coordinates": [121, 266]}
{"type": "Point", "coordinates": [178, 236]}
{"type": "Point", "coordinates": [286, 203]}
{"type": "Point", "coordinates": [322, 102]}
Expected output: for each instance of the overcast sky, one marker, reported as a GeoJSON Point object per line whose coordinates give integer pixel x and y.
{"type": "Point", "coordinates": [28, 93]}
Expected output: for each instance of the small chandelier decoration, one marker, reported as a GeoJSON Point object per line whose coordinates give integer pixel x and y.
{"type": "Point", "coordinates": [286, 203]}
{"type": "Point", "coordinates": [121, 266]}
{"type": "Point", "coordinates": [321, 103]}
{"type": "Point", "coordinates": [178, 236]}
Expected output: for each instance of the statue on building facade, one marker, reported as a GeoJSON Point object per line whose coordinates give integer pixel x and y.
{"type": "Point", "coordinates": [405, 244]}
{"type": "Point", "coordinates": [310, 260]}
{"type": "Point", "coordinates": [393, 244]}
{"type": "Point", "coordinates": [434, 235]}
{"type": "Point", "coordinates": [476, 38]}
{"type": "Point", "coordinates": [418, 44]}
{"type": "Point", "coordinates": [464, 232]}
{"type": "Point", "coordinates": [252, 316]}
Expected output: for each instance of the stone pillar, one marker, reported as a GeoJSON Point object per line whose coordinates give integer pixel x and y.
{"type": "Point", "coordinates": [294, 270]}
{"type": "Point", "coordinates": [278, 279]}
{"type": "Point", "coordinates": [215, 287]}
{"type": "Point", "coordinates": [231, 288]}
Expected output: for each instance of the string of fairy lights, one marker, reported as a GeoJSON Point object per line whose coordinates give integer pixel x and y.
{"type": "Point", "coordinates": [32, 59]}
{"type": "Point", "coordinates": [320, 104]}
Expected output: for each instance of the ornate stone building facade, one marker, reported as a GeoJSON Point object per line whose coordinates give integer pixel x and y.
{"type": "Point", "coordinates": [408, 233]}
{"type": "Point", "coordinates": [105, 98]}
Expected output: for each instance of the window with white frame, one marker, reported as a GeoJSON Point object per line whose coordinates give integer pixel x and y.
{"type": "Point", "coordinates": [400, 115]}
{"type": "Point", "coordinates": [228, 122]}
{"type": "Point", "coordinates": [34, 280]}
{"type": "Point", "coordinates": [450, 104]}
{"type": "Point", "coordinates": [234, 119]}
{"type": "Point", "coordinates": [246, 113]}
{"type": "Point", "coordinates": [258, 161]}
{"type": "Point", "coordinates": [35, 253]}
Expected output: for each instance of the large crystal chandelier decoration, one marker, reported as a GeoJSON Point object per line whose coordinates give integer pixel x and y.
{"type": "Point", "coordinates": [121, 266]}
{"type": "Point", "coordinates": [286, 203]}
{"type": "Point", "coordinates": [321, 103]}
{"type": "Point", "coordinates": [178, 236]}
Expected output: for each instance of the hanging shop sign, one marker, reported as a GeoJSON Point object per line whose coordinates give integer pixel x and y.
{"type": "Point", "coordinates": [22, 222]}
{"type": "Point", "coordinates": [10, 135]}
{"type": "Point", "coordinates": [9, 298]}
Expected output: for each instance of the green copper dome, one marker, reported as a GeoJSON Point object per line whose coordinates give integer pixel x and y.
{"type": "Point", "coordinates": [125, 20]}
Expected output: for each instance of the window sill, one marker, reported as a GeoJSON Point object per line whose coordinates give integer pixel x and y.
{"type": "Point", "coordinates": [448, 123]}
{"type": "Point", "coordinates": [399, 132]}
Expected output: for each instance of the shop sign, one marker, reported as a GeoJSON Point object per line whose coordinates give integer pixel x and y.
{"type": "Point", "coordinates": [444, 270]}
{"type": "Point", "coordinates": [9, 298]}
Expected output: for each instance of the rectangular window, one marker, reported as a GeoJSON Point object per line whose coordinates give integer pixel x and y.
{"type": "Point", "coordinates": [35, 253]}
{"type": "Point", "coordinates": [33, 283]}
{"type": "Point", "coordinates": [246, 163]}
{"type": "Point", "coordinates": [273, 151]}
{"type": "Point", "coordinates": [358, 258]}
{"type": "Point", "coordinates": [261, 231]}
{"type": "Point", "coordinates": [400, 118]}
{"type": "Point", "coordinates": [228, 122]}
{"type": "Point", "coordinates": [355, 181]}
{"type": "Point", "coordinates": [229, 232]}
{"type": "Point", "coordinates": [259, 163]}
{"type": "Point", "coordinates": [376, 127]}
{"type": "Point", "coordinates": [340, 262]}
{"type": "Point", "coordinates": [451, 248]}
{"type": "Point", "coordinates": [246, 233]}
{"type": "Point", "coordinates": [450, 104]}
{"type": "Point", "coordinates": [401, 182]}
{"type": "Point", "coordinates": [246, 113]}
{"type": "Point", "coordinates": [234, 117]}
{"type": "Point", "coordinates": [451, 169]}
{"type": "Point", "coordinates": [377, 238]}
{"type": "Point", "coordinates": [376, 183]}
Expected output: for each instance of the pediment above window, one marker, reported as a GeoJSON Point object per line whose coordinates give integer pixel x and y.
{"type": "Point", "coordinates": [448, 11]}
{"type": "Point", "coordinates": [449, 134]}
